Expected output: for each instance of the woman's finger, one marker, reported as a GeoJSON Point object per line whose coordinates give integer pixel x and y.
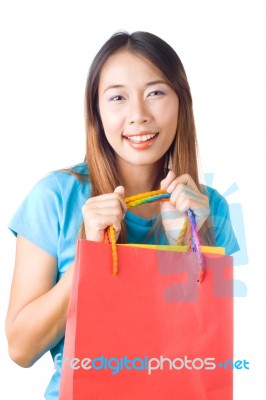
{"type": "Point", "coordinates": [167, 180]}
{"type": "Point", "coordinates": [102, 200]}
{"type": "Point", "coordinates": [182, 193]}
{"type": "Point", "coordinates": [185, 180]}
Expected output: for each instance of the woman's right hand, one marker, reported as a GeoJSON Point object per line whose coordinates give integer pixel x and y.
{"type": "Point", "coordinates": [102, 211]}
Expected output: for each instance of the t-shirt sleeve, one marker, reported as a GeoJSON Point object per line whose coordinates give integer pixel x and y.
{"type": "Point", "coordinates": [223, 229]}
{"type": "Point", "coordinates": [38, 218]}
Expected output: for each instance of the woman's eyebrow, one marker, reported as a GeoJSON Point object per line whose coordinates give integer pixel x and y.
{"type": "Point", "coordinates": [155, 82]}
{"type": "Point", "coordinates": [113, 87]}
{"type": "Point", "coordinates": [122, 86]}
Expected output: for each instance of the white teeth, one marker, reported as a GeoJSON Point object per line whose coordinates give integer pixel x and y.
{"type": "Point", "coordinates": [142, 138]}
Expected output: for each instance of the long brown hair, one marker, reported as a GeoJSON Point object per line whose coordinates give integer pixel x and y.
{"type": "Point", "coordinates": [182, 155]}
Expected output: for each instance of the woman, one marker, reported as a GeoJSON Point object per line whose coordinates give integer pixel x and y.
{"type": "Point", "coordinates": [140, 137]}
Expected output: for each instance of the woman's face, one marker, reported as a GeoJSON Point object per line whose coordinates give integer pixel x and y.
{"type": "Point", "coordinates": [139, 110]}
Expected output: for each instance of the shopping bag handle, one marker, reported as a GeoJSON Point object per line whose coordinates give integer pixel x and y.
{"type": "Point", "coordinates": [189, 224]}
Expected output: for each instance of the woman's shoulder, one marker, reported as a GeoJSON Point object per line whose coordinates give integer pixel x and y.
{"type": "Point", "coordinates": [81, 168]}
{"type": "Point", "coordinates": [64, 179]}
{"type": "Point", "coordinates": [78, 172]}
{"type": "Point", "coordinates": [52, 205]}
{"type": "Point", "coordinates": [57, 189]}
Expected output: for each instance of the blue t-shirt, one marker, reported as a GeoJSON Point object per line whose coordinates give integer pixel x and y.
{"type": "Point", "coordinates": [51, 218]}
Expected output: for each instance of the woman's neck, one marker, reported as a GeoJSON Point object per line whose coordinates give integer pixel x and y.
{"type": "Point", "coordinates": [140, 179]}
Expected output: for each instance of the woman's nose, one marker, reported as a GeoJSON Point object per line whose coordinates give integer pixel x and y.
{"type": "Point", "coordinates": [139, 112]}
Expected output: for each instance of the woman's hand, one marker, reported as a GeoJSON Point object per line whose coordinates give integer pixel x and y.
{"type": "Point", "coordinates": [184, 195]}
{"type": "Point", "coordinates": [102, 211]}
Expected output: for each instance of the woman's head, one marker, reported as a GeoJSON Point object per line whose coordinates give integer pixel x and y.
{"type": "Point", "coordinates": [138, 111]}
{"type": "Point", "coordinates": [151, 53]}
{"type": "Point", "coordinates": [163, 62]}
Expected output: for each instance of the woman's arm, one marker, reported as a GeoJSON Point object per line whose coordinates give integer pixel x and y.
{"type": "Point", "coordinates": [37, 313]}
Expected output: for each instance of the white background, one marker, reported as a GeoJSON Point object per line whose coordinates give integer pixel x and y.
{"type": "Point", "coordinates": [46, 48]}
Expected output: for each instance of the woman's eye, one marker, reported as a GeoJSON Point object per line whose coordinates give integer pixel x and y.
{"type": "Point", "coordinates": [116, 98]}
{"type": "Point", "coordinates": [156, 93]}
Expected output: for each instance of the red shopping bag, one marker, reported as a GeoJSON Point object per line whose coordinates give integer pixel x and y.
{"type": "Point", "coordinates": [153, 332]}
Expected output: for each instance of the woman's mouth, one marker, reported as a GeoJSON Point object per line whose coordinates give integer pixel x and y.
{"type": "Point", "coordinates": [141, 138]}
{"type": "Point", "coordinates": [141, 141]}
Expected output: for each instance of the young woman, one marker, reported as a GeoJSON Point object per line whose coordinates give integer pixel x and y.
{"type": "Point", "coordinates": [140, 137]}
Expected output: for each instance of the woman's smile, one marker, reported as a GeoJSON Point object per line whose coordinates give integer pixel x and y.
{"type": "Point", "coordinates": [142, 140]}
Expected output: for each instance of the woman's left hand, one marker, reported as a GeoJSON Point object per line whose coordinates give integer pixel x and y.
{"type": "Point", "coordinates": [184, 195]}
